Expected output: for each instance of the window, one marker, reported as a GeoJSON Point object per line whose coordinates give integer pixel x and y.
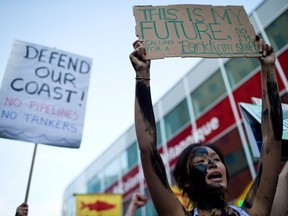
{"type": "Point", "coordinates": [150, 209]}
{"type": "Point", "coordinates": [129, 157]}
{"type": "Point", "coordinates": [238, 68]}
{"type": "Point", "coordinates": [278, 32]}
{"type": "Point", "coordinates": [230, 146]}
{"type": "Point", "coordinates": [132, 155]}
{"type": "Point", "coordinates": [236, 161]}
{"type": "Point", "coordinates": [158, 132]}
{"type": "Point", "coordinates": [111, 171]}
{"type": "Point", "coordinates": [94, 186]}
{"type": "Point", "coordinates": [124, 162]}
{"type": "Point", "coordinates": [176, 118]}
{"type": "Point", "coordinates": [212, 89]}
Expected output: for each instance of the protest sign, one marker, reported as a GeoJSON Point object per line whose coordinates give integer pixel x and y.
{"type": "Point", "coordinates": [98, 204]}
{"type": "Point", "coordinates": [252, 123]}
{"type": "Point", "coordinates": [43, 95]}
{"type": "Point", "coordinates": [195, 30]}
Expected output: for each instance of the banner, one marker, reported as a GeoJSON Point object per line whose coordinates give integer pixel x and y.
{"type": "Point", "coordinates": [195, 30]}
{"type": "Point", "coordinates": [43, 95]}
{"type": "Point", "coordinates": [252, 123]}
{"type": "Point", "coordinates": [185, 201]}
{"type": "Point", "coordinates": [98, 204]}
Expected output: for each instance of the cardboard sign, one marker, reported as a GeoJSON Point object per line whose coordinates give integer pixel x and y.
{"type": "Point", "coordinates": [43, 95]}
{"type": "Point", "coordinates": [195, 30]}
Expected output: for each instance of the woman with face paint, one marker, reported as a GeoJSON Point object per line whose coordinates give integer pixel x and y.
{"type": "Point", "coordinates": [200, 170]}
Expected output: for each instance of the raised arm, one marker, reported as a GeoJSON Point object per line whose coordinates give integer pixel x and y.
{"type": "Point", "coordinates": [163, 197]}
{"type": "Point", "coordinates": [260, 198]}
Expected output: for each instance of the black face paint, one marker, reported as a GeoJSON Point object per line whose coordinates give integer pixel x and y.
{"type": "Point", "coordinates": [198, 172]}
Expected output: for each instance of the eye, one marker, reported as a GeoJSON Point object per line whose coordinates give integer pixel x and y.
{"type": "Point", "coordinates": [199, 161]}
{"type": "Point", "coordinates": [217, 159]}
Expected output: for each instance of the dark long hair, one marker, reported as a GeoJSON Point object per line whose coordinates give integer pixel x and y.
{"type": "Point", "coordinates": [182, 176]}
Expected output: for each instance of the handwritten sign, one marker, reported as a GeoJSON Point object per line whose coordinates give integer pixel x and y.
{"type": "Point", "coordinates": [43, 95]}
{"type": "Point", "coordinates": [195, 30]}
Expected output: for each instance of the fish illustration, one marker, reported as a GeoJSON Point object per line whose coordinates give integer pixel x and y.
{"type": "Point", "coordinates": [97, 206]}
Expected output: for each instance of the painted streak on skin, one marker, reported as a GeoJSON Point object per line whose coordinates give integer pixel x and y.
{"type": "Point", "coordinates": [275, 104]}
{"type": "Point", "coordinates": [144, 99]}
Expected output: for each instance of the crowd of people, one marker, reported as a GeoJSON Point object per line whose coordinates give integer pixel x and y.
{"type": "Point", "coordinates": [200, 171]}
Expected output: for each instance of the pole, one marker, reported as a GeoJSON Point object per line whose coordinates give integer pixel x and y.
{"type": "Point", "coordinates": [30, 174]}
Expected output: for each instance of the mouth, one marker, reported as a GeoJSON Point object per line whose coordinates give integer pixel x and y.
{"type": "Point", "coordinates": [215, 176]}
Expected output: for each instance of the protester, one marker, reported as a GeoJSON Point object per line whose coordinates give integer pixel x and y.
{"type": "Point", "coordinates": [137, 201]}
{"type": "Point", "coordinates": [22, 210]}
{"type": "Point", "coordinates": [200, 170]}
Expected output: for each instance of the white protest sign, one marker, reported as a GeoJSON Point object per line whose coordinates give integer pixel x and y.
{"type": "Point", "coordinates": [43, 95]}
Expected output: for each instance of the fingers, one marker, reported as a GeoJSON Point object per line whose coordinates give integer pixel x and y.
{"type": "Point", "coordinates": [22, 210]}
{"type": "Point", "coordinates": [263, 47]}
{"type": "Point", "coordinates": [141, 199]}
{"type": "Point", "coordinates": [140, 48]}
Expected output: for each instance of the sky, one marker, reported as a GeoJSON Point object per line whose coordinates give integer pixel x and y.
{"type": "Point", "coordinates": [103, 31]}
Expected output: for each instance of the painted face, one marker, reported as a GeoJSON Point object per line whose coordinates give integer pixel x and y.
{"type": "Point", "coordinates": [206, 170]}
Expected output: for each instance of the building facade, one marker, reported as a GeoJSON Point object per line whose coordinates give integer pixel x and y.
{"type": "Point", "coordinates": [201, 107]}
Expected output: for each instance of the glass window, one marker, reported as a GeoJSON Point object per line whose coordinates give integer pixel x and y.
{"type": "Point", "coordinates": [231, 147]}
{"type": "Point", "coordinates": [278, 32]}
{"type": "Point", "coordinates": [176, 118]}
{"type": "Point", "coordinates": [94, 186]}
{"type": "Point", "coordinates": [111, 171]}
{"type": "Point", "coordinates": [238, 68]}
{"type": "Point", "coordinates": [124, 162]}
{"type": "Point", "coordinates": [236, 161]}
{"type": "Point", "coordinates": [132, 155]}
{"type": "Point", "coordinates": [129, 157]}
{"type": "Point", "coordinates": [206, 94]}
{"type": "Point", "coordinates": [150, 209]}
{"type": "Point", "coordinates": [158, 132]}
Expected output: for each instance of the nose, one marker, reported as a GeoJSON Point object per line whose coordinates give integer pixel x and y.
{"type": "Point", "coordinates": [211, 163]}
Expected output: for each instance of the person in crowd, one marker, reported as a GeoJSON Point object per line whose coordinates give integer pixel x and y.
{"type": "Point", "coordinates": [137, 201]}
{"type": "Point", "coordinates": [200, 170]}
{"type": "Point", "coordinates": [22, 210]}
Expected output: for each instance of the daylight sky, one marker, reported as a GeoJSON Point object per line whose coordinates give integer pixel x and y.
{"type": "Point", "coordinates": [103, 31]}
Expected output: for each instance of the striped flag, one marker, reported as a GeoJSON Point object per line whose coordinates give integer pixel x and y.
{"type": "Point", "coordinates": [98, 204]}
{"type": "Point", "coordinates": [183, 199]}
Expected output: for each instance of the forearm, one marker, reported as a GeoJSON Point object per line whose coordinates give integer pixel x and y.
{"type": "Point", "coordinates": [144, 116]}
{"type": "Point", "coordinates": [260, 198]}
{"type": "Point", "coordinates": [131, 210]}
{"type": "Point", "coordinates": [272, 119]}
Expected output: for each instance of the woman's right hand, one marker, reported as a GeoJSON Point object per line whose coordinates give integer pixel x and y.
{"type": "Point", "coordinates": [138, 59]}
